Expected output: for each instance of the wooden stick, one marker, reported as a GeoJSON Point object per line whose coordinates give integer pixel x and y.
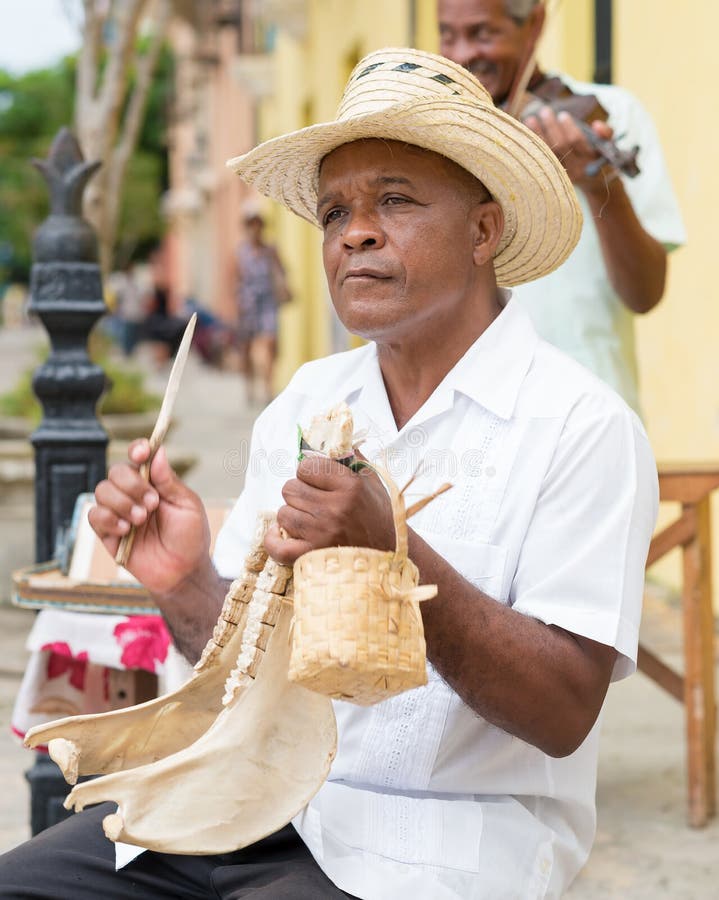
{"type": "Point", "coordinates": [420, 504]}
{"type": "Point", "coordinates": [161, 425]}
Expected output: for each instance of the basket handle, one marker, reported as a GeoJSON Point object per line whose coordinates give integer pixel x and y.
{"type": "Point", "coordinates": [399, 517]}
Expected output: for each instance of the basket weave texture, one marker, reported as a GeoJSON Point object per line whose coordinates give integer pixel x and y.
{"type": "Point", "coordinates": [358, 631]}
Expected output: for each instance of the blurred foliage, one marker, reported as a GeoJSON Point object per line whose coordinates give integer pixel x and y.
{"type": "Point", "coordinates": [147, 176]}
{"type": "Point", "coordinates": [33, 107]}
{"type": "Point", "coordinates": [127, 393]}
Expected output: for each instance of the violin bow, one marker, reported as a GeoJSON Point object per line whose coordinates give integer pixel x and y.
{"type": "Point", "coordinates": [524, 71]}
{"type": "Point", "coordinates": [526, 68]}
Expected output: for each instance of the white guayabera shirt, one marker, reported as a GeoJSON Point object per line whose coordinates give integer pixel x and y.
{"type": "Point", "coordinates": [552, 509]}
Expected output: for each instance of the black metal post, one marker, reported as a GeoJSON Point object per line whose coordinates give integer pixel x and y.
{"type": "Point", "coordinates": [70, 443]}
{"type": "Point", "coordinates": [66, 294]}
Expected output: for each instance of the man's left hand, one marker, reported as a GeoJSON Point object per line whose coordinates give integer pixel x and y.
{"type": "Point", "coordinates": [571, 146]}
{"type": "Point", "coordinates": [329, 505]}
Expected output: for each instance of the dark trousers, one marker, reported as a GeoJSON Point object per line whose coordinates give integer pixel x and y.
{"type": "Point", "coordinates": [75, 861]}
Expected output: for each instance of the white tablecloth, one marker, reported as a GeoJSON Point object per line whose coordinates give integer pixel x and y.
{"type": "Point", "coordinates": [70, 657]}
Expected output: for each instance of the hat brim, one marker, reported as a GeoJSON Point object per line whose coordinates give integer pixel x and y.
{"type": "Point", "coordinates": [542, 216]}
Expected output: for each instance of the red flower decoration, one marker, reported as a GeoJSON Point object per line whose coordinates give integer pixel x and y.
{"type": "Point", "coordinates": [144, 641]}
{"type": "Point", "coordinates": [61, 660]}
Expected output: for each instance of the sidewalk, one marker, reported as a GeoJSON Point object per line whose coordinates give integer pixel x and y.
{"type": "Point", "coordinates": [644, 849]}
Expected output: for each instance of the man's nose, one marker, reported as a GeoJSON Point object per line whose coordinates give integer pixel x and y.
{"type": "Point", "coordinates": [362, 230]}
{"type": "Point", "coordinates": [461, 51]}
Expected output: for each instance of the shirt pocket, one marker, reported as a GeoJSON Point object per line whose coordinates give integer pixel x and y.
{"type": "Point", "coordinates": [483, 565]}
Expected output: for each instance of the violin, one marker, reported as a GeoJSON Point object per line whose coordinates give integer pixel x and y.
{"type": "Point", "coordinates": [583, 108]}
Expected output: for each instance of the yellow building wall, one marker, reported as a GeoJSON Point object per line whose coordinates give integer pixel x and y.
{"type": "Point", "coordinates": [678, 341]}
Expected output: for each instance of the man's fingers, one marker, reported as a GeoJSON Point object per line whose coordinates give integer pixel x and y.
{"type": "Point", "coordinates": [299, 495]}
{"type": "Point", "coordinates": [139, 451]}
{"type": "Point", "coordinates": [107, 524]}
{"type": "Point", "coordinates": [322, 473]}
{"type": "Point", "coordinates": [284, 550]}
{"type": "Point", "coordinates": [164, 479]}
{"type": "Point", "coordinates": [603, 129]}
{"type": "Point", "coordinates": [126, 478]}
{"type": "Point", "coordinates": [128, 498]}
{"type": "Point", "coordinates": [295, 523]}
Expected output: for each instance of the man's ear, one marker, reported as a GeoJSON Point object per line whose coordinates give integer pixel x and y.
{"type": "Point", "coordinates": [536, 18]}
{"type": "Point", "coordinates": [488, 221]}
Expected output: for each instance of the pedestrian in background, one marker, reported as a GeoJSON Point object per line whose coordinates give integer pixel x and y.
{"type": "Point", "coordinates": [261, 289]}
{"type": "Point", "coordinates": [130, 306]}
{"type": "Point", "coordinates": [162, 327]}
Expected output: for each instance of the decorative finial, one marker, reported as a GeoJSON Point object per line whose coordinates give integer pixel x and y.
{"type": "Point", "coordinates": [65, 235]}
{"type": "Point", "coordinates": [66, 173]}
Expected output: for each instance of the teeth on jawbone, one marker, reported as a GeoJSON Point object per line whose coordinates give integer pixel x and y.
{"type": "Point", "coordinates": [262, 615]}
{"type": "Point", "coordinates": [234, 608]}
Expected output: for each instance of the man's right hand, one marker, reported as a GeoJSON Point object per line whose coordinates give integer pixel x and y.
{"type": "Point", "coordinates": [173, 534]}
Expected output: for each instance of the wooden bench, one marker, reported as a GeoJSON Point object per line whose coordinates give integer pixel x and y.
{"type": "Point", "coordinates": [691, 486]}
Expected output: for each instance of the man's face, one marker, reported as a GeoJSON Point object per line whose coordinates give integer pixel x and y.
{"type": "Point", "coordinates": [479, 35]}
{"type": "Point", "coordinates": [397, 241]}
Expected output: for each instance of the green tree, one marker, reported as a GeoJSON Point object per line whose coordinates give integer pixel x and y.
{"type": "Point", "coordinates": [116, 70]}
{"type": "Point", "coordinates": [147, 178]}
{"type": "Point", "coordinates": [32, 108]}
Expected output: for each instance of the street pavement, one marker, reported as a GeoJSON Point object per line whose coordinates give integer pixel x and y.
{"type": "Point", "coordinates": [644, 849]}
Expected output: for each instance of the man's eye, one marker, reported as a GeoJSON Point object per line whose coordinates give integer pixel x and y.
{"type": "Point", "coordinates": [394, 200]}
{"type": "Point", "coordinates": [483, 33]}
{"type": "Point", "coordinates": [331, 216]}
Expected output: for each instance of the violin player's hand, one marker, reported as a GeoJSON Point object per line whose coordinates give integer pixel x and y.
{"type": "Point", "coordinates": [173, 534]}
{"type": "Point", "coordinates": [564, 136]}
{"type": "Point", "coordinates": [329, 505]}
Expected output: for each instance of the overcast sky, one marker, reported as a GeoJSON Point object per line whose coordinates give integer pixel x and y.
{"type": "Point", "coordinates": [36, 33]}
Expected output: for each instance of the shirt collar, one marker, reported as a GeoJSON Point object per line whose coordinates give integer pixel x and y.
{"type": "Point", "coordinates": [490, 373]}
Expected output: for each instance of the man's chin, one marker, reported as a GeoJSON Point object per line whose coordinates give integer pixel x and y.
{"type": "Point", "coordinates": [369, 328]}
{"type": "Point", "coordinates": [360, 310]}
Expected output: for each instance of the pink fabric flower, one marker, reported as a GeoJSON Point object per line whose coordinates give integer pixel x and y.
{"type": "Point", "coordinates": [144, 641]}
{"type": "Point", "coordinates": [61, 660]}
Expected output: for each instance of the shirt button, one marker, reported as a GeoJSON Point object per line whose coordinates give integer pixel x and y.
{"type": "Point", "coordinates": [490, 471]}
{"type": "Point", "coordinates": [545, 866]}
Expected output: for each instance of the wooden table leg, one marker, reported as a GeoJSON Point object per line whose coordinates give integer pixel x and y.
{"type": "Point", "coordinates": [699, 693]}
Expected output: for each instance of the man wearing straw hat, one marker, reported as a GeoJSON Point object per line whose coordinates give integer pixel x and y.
{"type": "Point", "coordinates": [480, 784]}
{"type": "Point", "coordinates": [587, 306]}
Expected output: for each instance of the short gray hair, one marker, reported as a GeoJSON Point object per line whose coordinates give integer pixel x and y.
{"type": "Point", "coordinates": [519, 10]}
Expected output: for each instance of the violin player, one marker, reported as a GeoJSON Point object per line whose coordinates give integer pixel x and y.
{"type": "Point", "coordinates": [618, 269]}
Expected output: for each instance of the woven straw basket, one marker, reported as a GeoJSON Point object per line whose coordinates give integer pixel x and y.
{"type": "Point", "coordinates": [358, 632]}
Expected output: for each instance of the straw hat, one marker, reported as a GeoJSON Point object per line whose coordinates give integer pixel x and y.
{"type": "Point", "coordinates": [426, 100]}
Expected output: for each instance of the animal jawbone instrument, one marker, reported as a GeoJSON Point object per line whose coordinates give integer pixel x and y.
{"type": "Point", "coordinates": [124, 738]}
{"type": "Point", "coordinates": [243, 746]}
